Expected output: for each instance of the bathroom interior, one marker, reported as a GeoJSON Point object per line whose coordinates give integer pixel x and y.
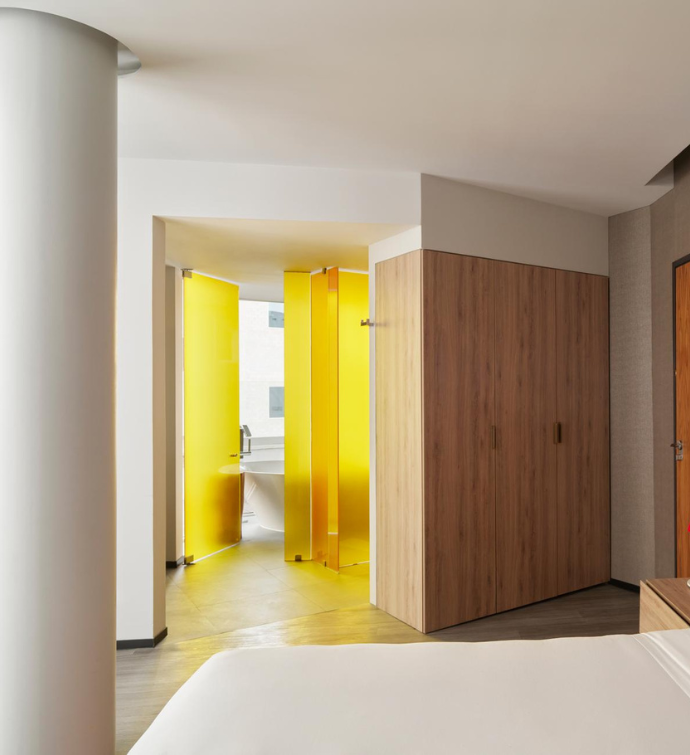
{"type": "Point", "coordinates": [262, 418]}
{"type": "Point", "coordinates": [274, 450]}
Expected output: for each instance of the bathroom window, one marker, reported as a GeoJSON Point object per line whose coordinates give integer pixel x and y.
{"type": "Point", "coordinates": [276, 316]}
{"type": "Point", "coordinates": [276, 401]}
{"type": "Point", "coordinates": [262, 372]}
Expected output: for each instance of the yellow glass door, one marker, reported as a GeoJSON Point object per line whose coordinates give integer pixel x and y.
{"type": "Point", "coordinates": [213, 510]}
{"type": "Point", "coordinates": [297, 416]}
{"type": "Point", "coordinates": [340, 418]}
{"type": "Point", "coordinates": [353, 418]}
{"type": "Point", "coordinates": [320, 420]}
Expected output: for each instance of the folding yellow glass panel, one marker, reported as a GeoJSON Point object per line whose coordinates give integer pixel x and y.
{"type": "Point", "coordinates": [340, 418]}
{"type": "Point", "coordinates": [353, 413]}
{"type": "Point", "coordinates": [213, 511]}
{"type": "Point", "coordinates": [297, 294]}
{"type": "Point", "coordinates": [319, 417]}
{"type": "Point", "coordinates": [333, 560]}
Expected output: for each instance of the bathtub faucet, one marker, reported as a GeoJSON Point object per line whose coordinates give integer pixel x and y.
{"type": "Point", "coordinates": [245, 433]}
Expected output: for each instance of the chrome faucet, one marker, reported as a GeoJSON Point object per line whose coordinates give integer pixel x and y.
{"type": "Point", "coordinates": [245, 433]}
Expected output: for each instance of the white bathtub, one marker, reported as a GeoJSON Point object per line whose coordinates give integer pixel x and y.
{"type": "Point", "coordinates": [264, 491]}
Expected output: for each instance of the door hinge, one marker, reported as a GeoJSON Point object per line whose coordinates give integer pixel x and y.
{"type": "Point", "coordinates": [678, 445]}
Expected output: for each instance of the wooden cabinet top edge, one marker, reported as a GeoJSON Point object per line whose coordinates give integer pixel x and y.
{"type": "Point", "coordinates": [511, 262]}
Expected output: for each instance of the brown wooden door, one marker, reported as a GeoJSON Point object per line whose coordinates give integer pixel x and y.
{"type": "Point", "coordinates": [459, 462]}
{"type": "Point", "coordinates": [526, 475]}
{"type": "Point", "coordinates": [582, 326]}
{"type": "Point", "coordinates": [683, 419]}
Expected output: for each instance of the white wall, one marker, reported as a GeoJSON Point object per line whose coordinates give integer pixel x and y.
{"type": "Point", "coordinates": [152, 188]}
{"type": "Point", "coordinates": [465, 219]}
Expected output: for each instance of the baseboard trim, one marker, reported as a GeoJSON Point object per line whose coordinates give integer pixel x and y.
{"type": "Point", "coordinates": [137, 644]}
{"type": "Point", "coordinates": [624, 585]}
{"type": "Point", "coordinates": [174, 564]}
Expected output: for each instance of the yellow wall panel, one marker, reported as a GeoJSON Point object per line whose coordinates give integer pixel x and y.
{"type": "Point", "coordinates": [353, 412]}
{"type": "Point", "coordinates": [213, 516]}
{"type": "Point", "coordinates": [297, 415]}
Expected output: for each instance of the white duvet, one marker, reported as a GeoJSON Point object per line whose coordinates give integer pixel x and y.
{"type": "Point", "coordinates": [622, 695]}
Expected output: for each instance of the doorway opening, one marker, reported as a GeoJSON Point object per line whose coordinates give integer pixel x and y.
{"type": "Point", "coordinates": [236, 437]}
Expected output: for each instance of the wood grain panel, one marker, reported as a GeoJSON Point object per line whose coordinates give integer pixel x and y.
{"type": "Point", "coordinates": [655, 614]}
{"type": "Point", "coordinates": [582, 327]}
{"type": "Point", "coordinates": [675, 592]}
{"type": "Point", "coordinates": [683, 419]}
{"type": "Point", "coordinates": [459, 463]}
{"type": "Point", "coordinates": [526, 475]}
{"type": "Point", "coordinates": [399, 520]}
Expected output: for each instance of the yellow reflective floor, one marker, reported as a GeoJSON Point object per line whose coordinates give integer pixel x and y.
{"type": "Point", "coordinates": [250, 585]}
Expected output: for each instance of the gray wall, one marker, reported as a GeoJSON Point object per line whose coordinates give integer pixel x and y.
{"type": "Point", "coordinates": [632, 457]}
{"type": "Point", "coordinates": [465, 219]}
{"type": "Point", "coordinates": [643, 245]}
{"type": "Point", "coordinates": [663, 238]}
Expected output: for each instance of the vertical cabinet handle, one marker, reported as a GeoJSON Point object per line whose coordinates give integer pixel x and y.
{"type": "Point", "coordinates": [557, 433]}
{"type": "Point", "coordinates": [493, 437]}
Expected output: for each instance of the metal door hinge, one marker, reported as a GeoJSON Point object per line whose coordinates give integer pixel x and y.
{"type": "Point", "coordinates": [678, 445]}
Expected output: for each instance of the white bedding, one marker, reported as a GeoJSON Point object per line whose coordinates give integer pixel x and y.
{"type": "Point", "coordinates": [622, 695]}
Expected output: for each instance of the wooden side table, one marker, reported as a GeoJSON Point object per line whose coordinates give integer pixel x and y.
{"type": "Point", "coordinates": [664, 604]}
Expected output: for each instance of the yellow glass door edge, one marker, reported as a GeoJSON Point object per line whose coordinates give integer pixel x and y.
{"type": "Point", "coordinates": [213, 510]}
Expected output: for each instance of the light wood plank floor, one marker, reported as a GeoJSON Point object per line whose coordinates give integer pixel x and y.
{"type": "Point", "coordinates": [148, 678]}
{"type": "Point", "coordinates": [251, 584]}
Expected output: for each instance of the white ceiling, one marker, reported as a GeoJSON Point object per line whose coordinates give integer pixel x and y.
{"type": "Point", "coordinates": [578, 102]}
{"type": "Point", "coordinates": [254, 253]}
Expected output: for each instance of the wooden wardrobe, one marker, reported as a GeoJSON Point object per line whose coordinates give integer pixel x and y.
{"type": "Point", "coordinates": [492, 436]}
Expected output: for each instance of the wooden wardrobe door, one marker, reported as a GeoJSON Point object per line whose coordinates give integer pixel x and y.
{"type": "Point", "coordinates": [582, 323]}
{"type": "Point", "coordinates": [459, 463]}
{"type": "Point", "coordinates": [526, 476]}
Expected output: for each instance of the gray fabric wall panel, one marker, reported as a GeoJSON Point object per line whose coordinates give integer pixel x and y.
{"type": "Point", "coordinates": [632, 457]}
{"type": "Point", "coordinates": [643, 245]}
{"type": "Point", "coordinates": [663, 255]}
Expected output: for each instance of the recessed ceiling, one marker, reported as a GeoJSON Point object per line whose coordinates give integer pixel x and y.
{"type": "Point", "coordinates": [577, 102]}
{"type": "Point", "coordinates": [255, 253]}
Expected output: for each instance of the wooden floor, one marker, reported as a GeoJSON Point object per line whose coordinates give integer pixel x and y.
{"type": "Point", "coordinates": [147, 679]}
{"type": "Point", "coordinates": [588, 613]}
{"type": "Point", "coordinates": [251, 585]}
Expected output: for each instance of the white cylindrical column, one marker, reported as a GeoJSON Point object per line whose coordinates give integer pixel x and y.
{"type": "Point", "coordinates": [58, 194]}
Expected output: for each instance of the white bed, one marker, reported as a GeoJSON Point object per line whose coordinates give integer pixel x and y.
{"type": "Point", "coordinates": [627, 695]}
